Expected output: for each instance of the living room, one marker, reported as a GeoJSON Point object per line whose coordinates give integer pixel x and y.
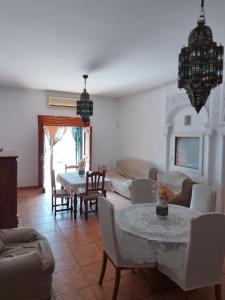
{"type": "Point", "coordinates": [138, 110]}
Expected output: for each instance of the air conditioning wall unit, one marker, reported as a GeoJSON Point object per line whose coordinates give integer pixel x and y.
{"type": "Point", "coordinates": [63, 102]}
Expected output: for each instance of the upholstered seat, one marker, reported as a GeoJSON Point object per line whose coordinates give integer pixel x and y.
{"type": "Point", "coordinates": [203, 265]}
{"type": "Point", "coordinates": [111, 249]}
{"type": "Point", "coordinates": [26, 265]}
{"type": "Point", "coordinates": [203, 198]}
{"type": "Point", "coordinates": [142, 191]}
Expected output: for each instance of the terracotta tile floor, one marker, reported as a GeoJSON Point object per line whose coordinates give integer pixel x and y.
{"type": "Point", "coordinates": [77, 249]}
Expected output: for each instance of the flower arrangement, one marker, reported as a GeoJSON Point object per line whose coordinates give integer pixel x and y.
{"type": "Point", "coordinates": [164, 191]}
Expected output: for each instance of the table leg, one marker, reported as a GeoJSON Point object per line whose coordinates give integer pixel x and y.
{"type": "Point", "coordinates": [75, 206]}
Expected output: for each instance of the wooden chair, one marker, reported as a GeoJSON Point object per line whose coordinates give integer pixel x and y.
{"type": "Point", "coordinates": [69, 167]}
{"type": "Point", "coordinates": [95, 186]}
{"type": "Point", "coordinates": [101, 168]}
{"type": "Point", "coordinates": [111, 249]}
{"type": "Point", "coordinates": [203, 265]}
{"type": "Point", "coordinates": [61, 194]}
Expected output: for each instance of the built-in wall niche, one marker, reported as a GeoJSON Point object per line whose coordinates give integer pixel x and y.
{"type": "Point", "coordinates": [187, 152]}
{"type": "Point", "coordinates": [187, 139]}
{"type": "Point", "coordinates": [189, 145]}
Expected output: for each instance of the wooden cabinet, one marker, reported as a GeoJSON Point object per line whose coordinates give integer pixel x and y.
{"type": "Point", "coordinates": [8, 190]}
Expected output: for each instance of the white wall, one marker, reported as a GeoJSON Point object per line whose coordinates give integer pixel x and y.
{"type": "Point", "coordinates": [141, 121]}
{"type": "Point", "coordinates": [19, 109]}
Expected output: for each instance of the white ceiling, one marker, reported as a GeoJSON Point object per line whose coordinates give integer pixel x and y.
{"type": "Point", "coordinates": [124, 45]}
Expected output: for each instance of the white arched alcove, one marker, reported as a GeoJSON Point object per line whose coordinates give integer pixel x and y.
{"type": "Point", "coordinates": [210, 122]}
{"type": "Point", "coordinates": [177, 107]}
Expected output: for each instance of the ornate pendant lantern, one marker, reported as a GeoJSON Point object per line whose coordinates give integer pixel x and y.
{"type": "Point", "coordinates": [85, 105]}
{"type": "Point", "coordinates": [200, 64]}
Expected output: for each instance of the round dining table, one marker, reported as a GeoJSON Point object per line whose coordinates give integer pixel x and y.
{"type": "Point", "coordinates": [144, 237]}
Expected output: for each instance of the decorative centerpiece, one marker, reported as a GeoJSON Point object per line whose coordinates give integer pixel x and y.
{"type": "Point", "coordinates": [81, 167]}
{"type": "Point", "coordinates": [164, 195]}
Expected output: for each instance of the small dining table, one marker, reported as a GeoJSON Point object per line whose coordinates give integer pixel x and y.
{"type": "Point", "coordinates": [144, 237]}
{"type": "Point", "coordinates": [75, 183]}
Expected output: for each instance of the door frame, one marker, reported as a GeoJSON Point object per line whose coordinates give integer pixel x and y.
{"type": "Point", "coordinates": [46, 120]}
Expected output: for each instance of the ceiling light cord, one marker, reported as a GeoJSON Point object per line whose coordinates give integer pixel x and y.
{"type": "Point", "coordinates": [201, 19]}
{"type": "Point", "coordinates": [202, 4]}
{"type": "Point", "coordinates": [85, 78]}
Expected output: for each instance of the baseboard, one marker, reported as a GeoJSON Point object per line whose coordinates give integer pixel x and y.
{"type": "Point", "coordinates": [28, 187]}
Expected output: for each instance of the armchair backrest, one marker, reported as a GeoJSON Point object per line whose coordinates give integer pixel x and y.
{"type": "Point", "coordinates": [203, 198]}
{"type": "Point", "coordinates": [142, 191]}
{"type": "Point", "coordinates": [172, 178]}
{"type": "Point", "coordinates": [107, 225]}
{"type": "Point", "coordinates": [206, 251]}
{"type": "Point", "coordinates": [136, 168]}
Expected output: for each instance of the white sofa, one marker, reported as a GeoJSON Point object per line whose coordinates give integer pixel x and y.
{"type": "Point", "coordinates": [128, 170]}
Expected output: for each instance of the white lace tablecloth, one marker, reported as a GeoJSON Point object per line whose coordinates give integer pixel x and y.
{"type": "Point", "coordinates": [75, 183]}
{"type": "Point", "coordinates": [144, 237]}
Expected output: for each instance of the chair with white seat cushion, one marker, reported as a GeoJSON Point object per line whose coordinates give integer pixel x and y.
{"type": "Point", "coordinates": [26, 265]}
{"type": "Point", "coordinates": [203, 265]}
{"type": "Point", "coordinates": [62, 194]}
{"type": "Point", "coordinates": [203, 198]}
{"type": "Point", "coordinates": [142, 191]}
{"type": "Point", "coordinates": [111, 249]}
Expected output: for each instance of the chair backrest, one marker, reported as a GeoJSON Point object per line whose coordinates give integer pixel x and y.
{"type": "Point", "coordinates": [142, 191]}
{"type": "Point", "coordinates": [53, 180]}
{"type": "Point", "coordinates": [107, 225]}
{"type": "Point", "coordinates": [203, 198]}
{"type": "Point", "coordinates": [101, 168]}
{"type": "Point", "coordinates": [69, 167]}
{"type": "Point", "coordinates": [206, 249]}
{"type": "Point", "coordinates": [95, 181]}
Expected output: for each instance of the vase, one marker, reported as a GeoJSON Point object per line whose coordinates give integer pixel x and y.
{"type": "Point", "coordinates": [81, 172]}
{"type": "Point", "coordinates": [161, 208]}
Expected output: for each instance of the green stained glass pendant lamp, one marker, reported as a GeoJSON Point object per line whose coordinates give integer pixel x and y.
{"type": "Point", "coordinates": [85, 105]}
{"type": "Point", "coordinates": [200, 64]}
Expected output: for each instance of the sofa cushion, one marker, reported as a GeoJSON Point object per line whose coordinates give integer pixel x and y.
{"type": "Point", "coordinates": [134, 168]}
{"type": "Point", "coordinates": [120, 183]}
{"type": "Point", "coordinates": [173, 178]}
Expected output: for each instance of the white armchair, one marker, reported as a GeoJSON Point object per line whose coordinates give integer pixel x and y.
{"type": "Point", "coordinates": [142, 191]}
{"type": "Point", "coordinates": [204, 258]}
{"type": "Point", "coordinates": [26, 265]}
{"type": "Point", "coordinates": [203, 198]}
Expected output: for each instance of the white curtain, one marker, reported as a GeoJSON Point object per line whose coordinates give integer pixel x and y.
{"type": "Point", "coordinates": [54, 135]}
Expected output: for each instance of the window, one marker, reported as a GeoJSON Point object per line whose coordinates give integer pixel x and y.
{"type": "Point", "coordinates": [187, 152]}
